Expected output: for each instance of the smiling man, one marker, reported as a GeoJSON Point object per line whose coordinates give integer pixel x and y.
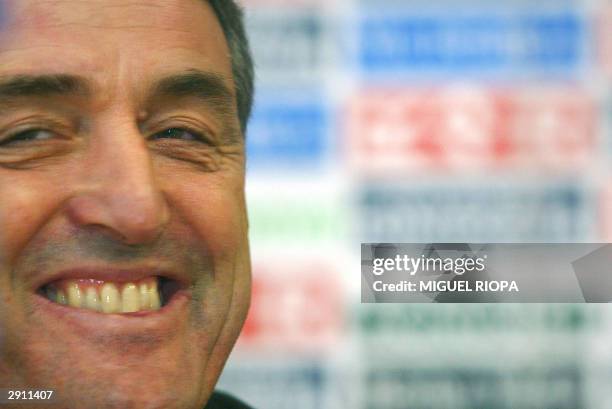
{"type": "Point", "coordinates": [124, 261]}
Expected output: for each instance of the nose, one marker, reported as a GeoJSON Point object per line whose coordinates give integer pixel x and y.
{"type": "Point", "coordinates": [117, 190]}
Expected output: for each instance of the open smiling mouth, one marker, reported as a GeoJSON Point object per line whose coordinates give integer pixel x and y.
{"type": "Point", "coordinates": [147, 294]}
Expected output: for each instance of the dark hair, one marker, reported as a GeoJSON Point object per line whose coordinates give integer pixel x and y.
{"type": "Point", "coordinates": [230, 17]}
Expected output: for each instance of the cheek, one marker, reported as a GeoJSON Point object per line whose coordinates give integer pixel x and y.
{"type": "Point", "coordinates": [216, 213]}
{"type": "Point", "coordinates": [26, 204]}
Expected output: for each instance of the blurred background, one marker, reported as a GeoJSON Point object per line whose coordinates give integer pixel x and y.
{"type": "Point", "coordinates": [422, 121]}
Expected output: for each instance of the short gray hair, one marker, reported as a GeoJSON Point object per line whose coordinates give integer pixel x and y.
{"type": "Point", "coordinates": [231, 18]}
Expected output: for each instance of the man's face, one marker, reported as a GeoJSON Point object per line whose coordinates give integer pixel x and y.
{"type": "Point", "coordinates": [121, 171]}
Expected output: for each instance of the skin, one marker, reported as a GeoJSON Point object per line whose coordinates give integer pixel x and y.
{"type": "Point", "coordinates": [100, 184]}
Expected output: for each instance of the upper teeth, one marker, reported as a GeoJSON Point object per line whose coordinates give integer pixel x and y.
{"type": "Point", "coordinates": [106, 297]}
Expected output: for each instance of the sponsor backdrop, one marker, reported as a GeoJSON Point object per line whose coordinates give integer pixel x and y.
{"type": "Point", "coordinates": [423, 121]}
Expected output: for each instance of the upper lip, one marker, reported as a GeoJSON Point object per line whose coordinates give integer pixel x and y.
{"type": "Point", "coordinates": [107, 273]}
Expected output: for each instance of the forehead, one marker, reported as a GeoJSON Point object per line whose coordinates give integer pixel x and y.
{"type": "Point", "coordinates": [111, 38]}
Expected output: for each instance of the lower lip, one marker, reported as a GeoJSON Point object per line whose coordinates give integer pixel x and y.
{"type": "Point", "coordinates": [88, 322]}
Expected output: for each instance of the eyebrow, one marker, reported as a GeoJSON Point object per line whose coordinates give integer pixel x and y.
{"type": "Point", "coordinates": [41, 86]}
{"type": "Point", "coordinates": [195, 83]}
{"type": "Point", "coordinates": [207, 87]}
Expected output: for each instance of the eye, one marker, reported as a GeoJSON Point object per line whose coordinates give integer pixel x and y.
{"type": "Point", "coordinates": [179, 133]}
{"type": "Point", "coordinates": [28, 135]}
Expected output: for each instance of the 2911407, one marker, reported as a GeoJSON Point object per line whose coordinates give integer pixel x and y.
{"type": "Point", "coordinates": [29, 395]}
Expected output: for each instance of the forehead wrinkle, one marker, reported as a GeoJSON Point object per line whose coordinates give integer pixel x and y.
{"type": "Point", "coordinates": [100, 15]}
{"type": "Point", "coordinates": [117, 27]}
{"type": "Point", "coordinates": [107, 3]}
